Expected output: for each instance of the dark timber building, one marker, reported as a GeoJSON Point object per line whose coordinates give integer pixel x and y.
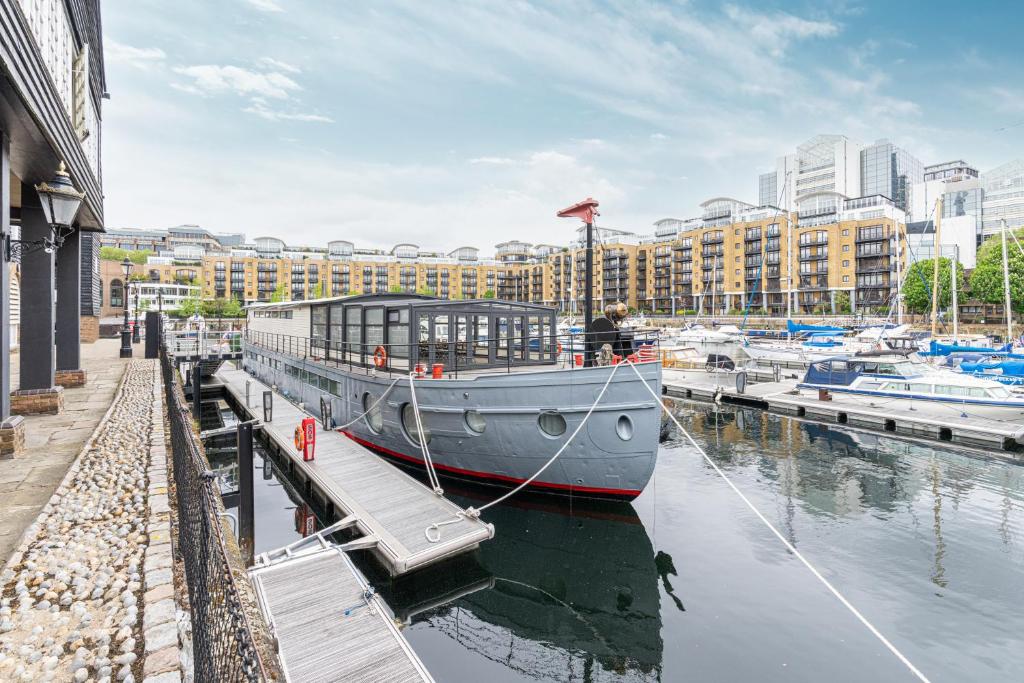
{"type": "Point", "coordinates": [51, 89]}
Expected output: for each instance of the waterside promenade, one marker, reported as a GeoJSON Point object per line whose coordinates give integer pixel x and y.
{"type": "Point", "coordinates": [89, 590]}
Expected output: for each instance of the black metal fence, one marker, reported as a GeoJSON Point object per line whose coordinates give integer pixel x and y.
{"type": "Point", "coordinates": [226, 644]}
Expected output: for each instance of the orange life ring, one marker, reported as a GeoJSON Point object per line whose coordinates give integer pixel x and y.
{"type": "Point", "coordinates": [559, 348]}
{"type": "Point", "coordinates": [380, 357]}
{"type": "Point", "coordinates": [300, 438]}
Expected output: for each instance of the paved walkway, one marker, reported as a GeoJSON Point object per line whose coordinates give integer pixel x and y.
{"type": "Point", "coordinates": [53, 441]}
{"type": "Point", "coordinates": [88, 595]}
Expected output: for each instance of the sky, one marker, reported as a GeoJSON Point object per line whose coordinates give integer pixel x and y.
{"type": "Point", "coordinates": [446, 124]}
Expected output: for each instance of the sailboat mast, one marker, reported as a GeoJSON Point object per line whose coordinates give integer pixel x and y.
{"type": "Point", "coordinates": [953, 291]}
{"type": "Point", "coordinates": [899, 275]}
{"type": "Point", "coordinates": [935, 264]}
{"type": "Point", "coordinates": [1007, 310]}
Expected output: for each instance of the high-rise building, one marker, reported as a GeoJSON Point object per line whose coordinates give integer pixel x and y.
{"type": "Point", "coordinates": [824, 163]}
{"type": "Point", "coordinates": [1003, 197]}
{"type": "Point", "coordinates": [890, 171]}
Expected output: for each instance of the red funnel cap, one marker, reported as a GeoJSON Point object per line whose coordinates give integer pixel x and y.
{"type": "Point", "coordinates": [584, 210]}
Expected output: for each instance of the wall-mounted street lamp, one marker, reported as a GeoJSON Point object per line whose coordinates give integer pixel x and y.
{"type": "Point", "coordinates": [60, 202]}
{"type": "Point", "coordinates": [126, 333]}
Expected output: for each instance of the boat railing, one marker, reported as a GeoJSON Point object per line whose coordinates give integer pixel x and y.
{"type": "Point", "coordinates": [202, 342]}
{"type": "Point", "coordinates": [508, 352]}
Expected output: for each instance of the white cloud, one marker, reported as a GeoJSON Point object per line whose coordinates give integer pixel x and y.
{"type": "Point", "coordinates": [776, 29]}
{"type": "Point", "coordinates": [115, 52]}
{"type": "Point", "coordinates": [265, 5]}
{"type": "Point", "coordinates": [273, 64]}
{"type": "Point", "coordinates": [259, 108]}
{"type": "Point", "coordinates": [659, 136]}
{"type": "Point", "coordinates": [493, 161]}
{"type": "Point", "coordinates": [210, 78]}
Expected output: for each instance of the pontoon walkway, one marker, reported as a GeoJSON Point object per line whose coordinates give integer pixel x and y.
{"type": "Point", "coordinates": [328, 624]}
{"type": "Point", "coordinates": [391, 507]}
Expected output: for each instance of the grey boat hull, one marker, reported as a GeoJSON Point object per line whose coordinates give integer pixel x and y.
{"type": "Point", "coordinates": [613, 456]}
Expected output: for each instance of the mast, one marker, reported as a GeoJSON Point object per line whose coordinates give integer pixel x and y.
{"type": "Point", "coordinates": [899, 275]}
{"type": "Point", "coordinates": [789, 267]}
{"type": "Point", "coordinates": [1007, 311]}
{"type": "Point", "coordinates": [953, 291]}
{"type": "Point", "coordinates": [935, 269]}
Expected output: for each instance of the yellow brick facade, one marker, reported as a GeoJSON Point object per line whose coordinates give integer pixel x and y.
{"type": "Point", "coordinates": [715, 268]}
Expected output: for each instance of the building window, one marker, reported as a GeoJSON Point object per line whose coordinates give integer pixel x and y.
{"type": "Point", "coordinates": [846, 278]}
{"type": "Point", "coordinates": [846, 247]}
{"type": "Point", "coordinates": [116, 294]}
{"type": "Point", "coordinates": [846, 232]}
{"type": "Point", "coordinates": [846, 263]}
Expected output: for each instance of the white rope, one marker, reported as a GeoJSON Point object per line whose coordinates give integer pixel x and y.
{"type": "Point", "coordinates": [372, 406]}
{"type": "Point", "coordinates": [475, 512]}
{"type": "Point", "coordinates": [789, 546]}
{"type": "Point", "coordinates": [435, 483]}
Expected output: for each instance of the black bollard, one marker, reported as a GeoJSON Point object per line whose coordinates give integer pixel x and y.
{"type": "Point", "coordinates": [246, 507]}
{"type": "Point", "coordinates": [197, 394]}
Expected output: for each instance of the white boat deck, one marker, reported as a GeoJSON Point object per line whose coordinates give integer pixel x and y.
{"type": "Point", "coordinates": [391, 507]}
{"type": "Point", "coordinates": [328, 625]}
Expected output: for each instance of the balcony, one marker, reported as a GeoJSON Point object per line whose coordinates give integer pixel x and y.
{"type": "Point", "coordinates": [813, 240]}
{"type": "Point", "coordinates": [710, 238]}
{"type": "Point", "coordinates": [753, 247]}
{"type": "Point", "coordinates": [872, 235]}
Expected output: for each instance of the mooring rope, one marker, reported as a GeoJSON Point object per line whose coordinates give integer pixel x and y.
{"type": "Point", "coordinates": [475, 512]}
{"type": "Point", "coordinates": [789, 546]}
{"type": "Point", "coordinates": [372, 406]}
{"type": "Point", "coordinates": [435, 483]}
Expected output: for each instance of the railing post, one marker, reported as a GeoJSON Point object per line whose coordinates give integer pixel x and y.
{"type": "Point", "coordinates": [246, 516]}
{"type": "Point", "coordinates": [197, 394]}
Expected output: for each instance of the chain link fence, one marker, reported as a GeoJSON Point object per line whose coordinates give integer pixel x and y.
{"type": "Point", "coordinates": [229, 637]}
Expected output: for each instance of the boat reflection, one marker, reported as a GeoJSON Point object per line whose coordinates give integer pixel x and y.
{"type": "Point", "coordinates": [573, 591]}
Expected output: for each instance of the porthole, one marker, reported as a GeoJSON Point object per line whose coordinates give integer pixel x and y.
{"type": "Point", "coordinates": [409, 424]}
{"type": "Point", "coordinates": [372, 414]}
{"type": "Point", "coordinates": [475, 422]}
{"type": "Point", "coordinates": [624, 427]}
{"type": "Point", "coordinates": [551, 423]}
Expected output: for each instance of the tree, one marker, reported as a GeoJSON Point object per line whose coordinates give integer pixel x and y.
{"type": "Point", "coordinates": [987, 278]}
{"type": "Point", "coordinates": [843, 303]}
{"type": "Point", "coordinates": [137, 257]}
{"type": "Point", "coordinates": [279, 294]}
{"type": "Point", "coordinates": [917, 286]}
{"type": "Point", "coordinates": [321, 290]}
{"type": "Point", "coordinates": [489, 294]}
{"type": "Point", "coordinates": [426, 291]}
{"type": "Point", "coordinates": [395, 289]}
{"type": "Point", "coordinates": [233, 308]}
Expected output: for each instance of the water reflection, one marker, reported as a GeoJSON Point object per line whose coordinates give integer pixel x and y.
{"type": "Point", "coordinates": [572, 593]}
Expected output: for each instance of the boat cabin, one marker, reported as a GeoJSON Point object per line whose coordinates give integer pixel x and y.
{"type": "Point", "coordinates": [843, 370]}
{"type": "Point", "coordinates": [398, 331]}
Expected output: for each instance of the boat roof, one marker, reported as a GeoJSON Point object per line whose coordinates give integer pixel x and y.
{"type": "Point", "coordinates": [401, 299]}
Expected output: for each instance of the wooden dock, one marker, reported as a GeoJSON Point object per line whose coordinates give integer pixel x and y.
{"type": "Point", "coordinates": [913, 419]}
{"type": "Point", "coordinates": [328, 623]}
{"type": "Point", "coordinates": [389, 506]}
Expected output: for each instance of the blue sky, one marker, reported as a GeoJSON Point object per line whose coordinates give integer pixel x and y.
{"type": "Point", "coordinates": [469, 123]}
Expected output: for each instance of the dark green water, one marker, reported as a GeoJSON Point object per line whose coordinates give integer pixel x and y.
{"type": "Point", "coordinates": [687, 584]}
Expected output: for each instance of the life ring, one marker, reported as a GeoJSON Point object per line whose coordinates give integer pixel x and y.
{"type": "Point", "coordinates": [559, 346]}
{"type": "Point", "coordinates": [300, 438]}
{"type": "Point", "coordinates": [380, 357]}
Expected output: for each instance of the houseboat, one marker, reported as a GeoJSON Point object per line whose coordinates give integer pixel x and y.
{"type": "Point", "coordinates": [496, 397]}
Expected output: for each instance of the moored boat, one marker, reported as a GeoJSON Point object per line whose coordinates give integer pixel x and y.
{"type": "Point", "coordinates": [495, 403]}
{"type": "Point", "coordinates": [898, 377]}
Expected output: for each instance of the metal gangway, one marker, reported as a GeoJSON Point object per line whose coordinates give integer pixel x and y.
{"type": "Point", "coordinates": [328, 623]}
{"type": "Point", "coordinates": [192, 345]}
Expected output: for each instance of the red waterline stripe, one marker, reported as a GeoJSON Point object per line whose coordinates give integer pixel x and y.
{"type": "Point", "coordinates": [497, 477]}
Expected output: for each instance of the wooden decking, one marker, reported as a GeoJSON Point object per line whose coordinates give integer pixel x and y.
{"type": "Point", "coordinates": [329, 626]}
{"type": "Point", "coordinates": [390, 507]}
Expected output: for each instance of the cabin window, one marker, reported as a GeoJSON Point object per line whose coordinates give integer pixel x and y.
{"type": "Point", "coordinates": [337, 321]}
{"type": "Point", "coordinates": [839, 366]}
{"type": "Point", "coordinates": [921, 388]}
{"type": "Point", "coordinates": [997, 392]}
{"type": "Point", "coordinates": [354, 331]}
{"type": "Point", "coordinates": [398, 333]}
{"type": "Point", "coordinates": [319, 314]}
